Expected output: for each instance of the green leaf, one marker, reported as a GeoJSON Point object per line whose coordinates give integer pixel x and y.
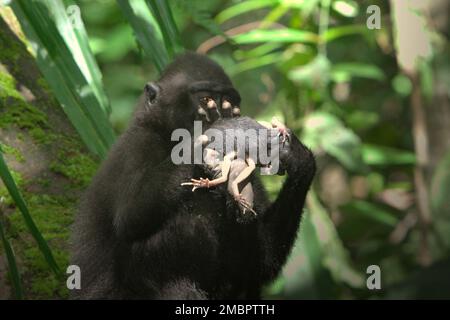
{"type": "Point", "coordinates": [201, 16]}
{"type": "Point", "coordinates": [304, 274]}
{"type": "Point", "coordinates": [254, 63]}
{"type": "Point", "coordinates": [345, 71]}
{"type": "Point", "coordinates": [147, 31]}
{"type": "Point", "coordinates": [257, 52]}
{"type": "Point", "coordinates": [11, 186]}
{"type": "Point", "coordinates": [244, 7]}
{"type": "Point", "coordinates": [336, 257]}
{"type": "Point", "coordinates": [278, 35]}
{"type": "Point", "coordinates": [162, 13]}
{"type": "Point", "coordinates": [402, 85]}
{"type": "Point", "coordinates": [63, 71]}
{"type": "Point", "coordinates": [346, 8]}
{"type": "Point", "coordinates": [381, 155]}
{"type": "Point", "coordinates": [12, 264]}
{"type": "Point", "coordinates": [323, 131]}
{"type": "Point", "coordinates": [426, 79]}
{"type": "Point", "coordinates": [315, 74]}
{"type": "Point", "coordinates": [372, 211]}
{"type": "Point", "coordinates": [337, 32]}
{"type": "Point", "coordinates": [345, 146]}
{"type": "Point", "coordinates": [440, 186]}
{"type": "Point", "coordinates": [78, 42]}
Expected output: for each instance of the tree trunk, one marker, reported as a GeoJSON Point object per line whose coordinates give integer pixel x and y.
{"type": "Point", "coordinates": [48, 161]}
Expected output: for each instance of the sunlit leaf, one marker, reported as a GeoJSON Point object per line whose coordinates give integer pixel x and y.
{"type": "Point", "coordinates": [278, 35]}
{"type": "Point", "coordinates": [254, 63]}
{"type": "Point", "coordinates": [77, 40]}
{"type": "Point", "coordinates": [258, 51]}
{"type": "Point", "coordinates": [243, 7]}
{"type": "Point", "coordinates": [63, 72]}
{"type": "Point", "coordinates": [381, 155]}
{"type": "Point", "coordinates": [147, 31]}
{"type": "Point", "coordinates": [342, 31]}
{"type": "Point", "coordinates": [346, 8]}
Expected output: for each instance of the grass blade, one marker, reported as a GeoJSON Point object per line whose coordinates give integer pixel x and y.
{"type": "Point", "coordinates": [78, 42]}
{"type": "Point", "coordinates": [11, 186]}
{"type": "Point", "coordinates": [338, 32]}
{"type": "Point", "coordinates": [147, 31]}
{"type": "Point", "coordinates": [244, 7]}
{"type": "Point", "coordinates": [63, 73]}
{"type": "Point", "coordinates": [279, 35]}
{"type": "Point", "coordinates": [163, 15]}
{"type": "Point", "coordinates": [13, 270]}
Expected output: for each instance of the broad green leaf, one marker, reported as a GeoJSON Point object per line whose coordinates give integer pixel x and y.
{"type": "Point", "coordinates": [147, 31]}
{"type": "Point", "coordinates": [12, 264]}
{"type": "Point", "coordinates": [63, 73]}
{"type": "Point", "coordinates": [346, 71]}
{"type": "Point", "coordinates": [278, 35]}
{"type": "Point", "coordinates": [162, 13]}
{"type": "Point", "coordinates": [336, 258]}
{"type": "Point", "coordinates": [371, 211]}
{"type": "Point", "coordinates": [345, 146]}
{"type": "Point", "coordinates": [323, 131]}
{"type": "Point", "coordinates": [315, 74]}
{"type": "Point", "coordinates": [244, 7]}
{"type": "Point", "coordinates": [20, 203]}
{"type": "Point", "coordinates": [381, 155]}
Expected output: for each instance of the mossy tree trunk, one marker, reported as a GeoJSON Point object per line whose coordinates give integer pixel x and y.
{"type": "Point", "coordinates": [48, 160]}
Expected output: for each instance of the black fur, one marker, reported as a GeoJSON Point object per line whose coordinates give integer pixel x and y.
{"type": "Point", "coordinates": [139, 234]}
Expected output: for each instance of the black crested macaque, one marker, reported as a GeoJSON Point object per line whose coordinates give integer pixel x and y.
{"type": "Point", "coordinates": [139, 234]}
{"type": "Point", "coordinates": [234, 159]}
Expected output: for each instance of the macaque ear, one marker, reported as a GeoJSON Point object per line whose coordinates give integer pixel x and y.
{"type": "Point", "coordinates": [151, 91]}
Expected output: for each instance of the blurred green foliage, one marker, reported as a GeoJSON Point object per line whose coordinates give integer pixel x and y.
{"type": "Point", "coordinates": [337, 84]}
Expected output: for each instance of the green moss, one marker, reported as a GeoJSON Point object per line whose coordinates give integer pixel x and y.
{"type": "Point", "coordinates": [53, 216]}
{"type": "Point", "coordinates": [15, 110]}
{"type": "Point", "coordinates": [8, 86]}
{"type": "Point", "coordinates": [79, 168]}
{"type": "Point", "coordinates": [13, 151]}
{"type": "Point", "coordinates": [4, 194]}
